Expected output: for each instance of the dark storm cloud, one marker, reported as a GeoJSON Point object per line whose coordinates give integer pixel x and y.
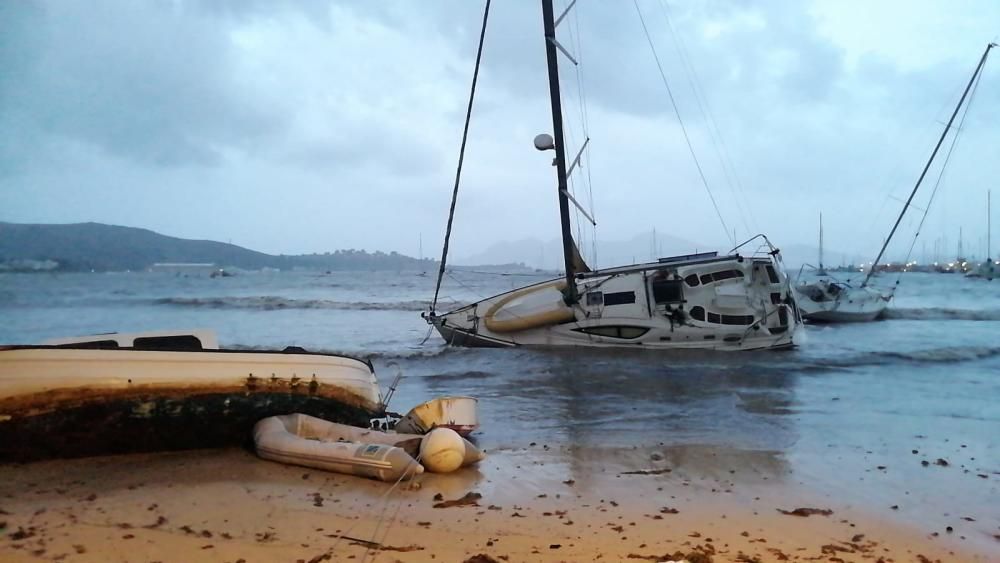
{"type": "Point", "coordinates": [141, 82]}
{"type": "Point", "coordinates": [257, 106]}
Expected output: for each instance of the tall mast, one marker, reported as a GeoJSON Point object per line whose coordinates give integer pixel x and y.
{"type": "Point", "coordinates": [927, 166]}
{"type": "Point", "coordinates": [821, 241]}
{"type": "Point", "coordinates": [551, 58]}
{"type": "Point", "coordinates": [989, 223]}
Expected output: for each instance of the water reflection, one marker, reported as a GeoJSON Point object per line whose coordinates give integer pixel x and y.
{"type": "Point", "coordinates": [696, 413]}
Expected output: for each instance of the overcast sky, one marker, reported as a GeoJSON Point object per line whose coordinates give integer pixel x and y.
{"type": "Point", "coordinates": [301, 126]}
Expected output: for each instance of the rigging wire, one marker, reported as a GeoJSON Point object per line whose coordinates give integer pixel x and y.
{"type": "Point", "coordinates": [372, 542]}
{"type": "Point", "coordinates": [728, 169]}
{"type": "Point", "coordinates": [677, 112]}
{"type": "Point", "coordinates": [461, 157]}
{"type": "Point", "coordinates": [582, 92]}
{"type": "Point", "coordinates": [944, 167]}
{"type": "Point", "coordinates": [895, 174]}
{"type": "Point", "coordinates": [944, 134]}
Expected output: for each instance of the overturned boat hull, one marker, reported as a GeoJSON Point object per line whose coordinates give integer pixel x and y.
{"type": "Point", "coordinates": [70, 402]}
{"type": "Point", "coordinates": [456, 413]}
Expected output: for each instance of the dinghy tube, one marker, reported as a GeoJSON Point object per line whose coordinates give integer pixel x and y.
{"type": "Point", "coordinates": [304, 440]}
{"type": "Point", "coordinates": [528, 308]}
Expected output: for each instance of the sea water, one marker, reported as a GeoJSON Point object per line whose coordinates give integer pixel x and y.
{"type": "Point", "coordinates": [840, 414]}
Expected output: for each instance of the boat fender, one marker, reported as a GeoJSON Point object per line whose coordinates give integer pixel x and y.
{"type": "Point", "coordinates": [442, 450]}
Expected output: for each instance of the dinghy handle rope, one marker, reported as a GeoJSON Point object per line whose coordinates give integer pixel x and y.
{"type": "Point", "coordinates": [461, 158]}
{"type": "Point", "coordinates": [382, 499]}
{"type": "Point", "coordinates": [381, 517]}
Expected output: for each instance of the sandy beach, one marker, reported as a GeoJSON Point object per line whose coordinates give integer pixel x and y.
{"type": "Point", "coordinates": [228, 505]}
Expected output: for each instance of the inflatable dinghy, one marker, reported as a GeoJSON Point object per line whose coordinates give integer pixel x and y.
{"type": "Point", "coordinates": [305, 440]}
{"type": "Point", "coordinates": [410, 443]}
{"type": "Point", "coordinates": [301, 439]}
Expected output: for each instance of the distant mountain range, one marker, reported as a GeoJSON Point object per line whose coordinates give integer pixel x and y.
{"type": "Point", "coordinates": [99, 247]}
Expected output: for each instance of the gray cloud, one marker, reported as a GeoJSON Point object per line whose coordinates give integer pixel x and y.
{"type": "Point", "coordinates": [340, 121]}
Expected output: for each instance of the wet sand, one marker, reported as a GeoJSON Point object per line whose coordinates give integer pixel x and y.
{"type": "Point", "coordinates": [537, 503]}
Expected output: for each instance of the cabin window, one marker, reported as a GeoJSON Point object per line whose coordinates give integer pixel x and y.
{"type": "Point", "coordinates": [783, 316]}
{"type": "Point", "coordinates": [620, 298]}
{"type": "Point", "coordinates": [720, 276]}
{"type": "Point", "coordinates": [691, 280]}
{"type": "Point", "coordinates": [182, 342]}
{"type": "Point", "coordinates": [595, 298]}
{"type": "Point", "coordinates": [726, 275]}
{"type": "Point", "coordinates": [95, 345]}
{"type": "Point", "coordinates": [668, 291]}
{"type": "Point", "coordinates": [714, 318]}
{"type": "Point", "coordinates": [698, 313]}
{"type": "Point", "coordinates": [626, 332]}
{"type": "Point", "coordinates": [771, 274]}
{"type": "Point", "coordinates": [775, 298]}
{"type": "Point", "coordinates": [737, 319]}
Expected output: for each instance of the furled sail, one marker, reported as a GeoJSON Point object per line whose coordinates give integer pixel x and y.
{"type": "Point", "coordinates": [579, 265]}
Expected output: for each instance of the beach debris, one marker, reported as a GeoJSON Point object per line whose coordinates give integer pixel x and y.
{"type": "Point", "coordinates": [804, 512]}
{"type": "Point", "coordinates": [676, 557]}
{"type": "Point", "coordinates": [647, 472]}
{"type": "Point", "coordinates": [925, 463]}
{"type": "Point", "coordinates": [942, 462]}
{"type": "Point", "coordinates": [22, 533]}
{"type": "Point", "coordinates": [669, 510]}
{"type": "Point", "coordinates": [481, 558]}
{"type": "Point", "coordinates": [778, 554]}
{"type": "Point", "coordinates": [470, 499]}
{"type": "Point", "coordinates": [571, 482]}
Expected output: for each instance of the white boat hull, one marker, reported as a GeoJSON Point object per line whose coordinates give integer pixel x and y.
{"type": "Point", "coordinates": [66, 402]}
{"type": "Point", "coordinates": [724, 303]}
{"type": "Point", "coordinates": [825, 301]}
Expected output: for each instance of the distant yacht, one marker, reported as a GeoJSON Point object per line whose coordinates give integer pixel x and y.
{"type": "Point", "coordinates": [828, 300]}
{"type": "Point", "coordinates": [988, 268]}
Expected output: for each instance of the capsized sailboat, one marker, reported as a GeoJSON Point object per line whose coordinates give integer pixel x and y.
{"type": "Point", "coordinates": [828, 300]}
{"type": "Point", "coordinates": [706, 300]}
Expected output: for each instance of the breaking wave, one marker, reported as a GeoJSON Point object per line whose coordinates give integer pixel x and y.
{"type": "Point", "coordinates": [273, 303]}
{"type": "Point", "coordinates": [947, 354]}
{"type": "Point", "coordinates": [942, 313]}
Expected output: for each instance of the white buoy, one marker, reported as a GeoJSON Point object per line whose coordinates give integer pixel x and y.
{"type": "Point", "coordinates": [442, 450]}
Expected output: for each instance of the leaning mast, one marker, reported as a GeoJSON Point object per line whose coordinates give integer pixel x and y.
{"type": "Point", "coordinates": [979, 68]}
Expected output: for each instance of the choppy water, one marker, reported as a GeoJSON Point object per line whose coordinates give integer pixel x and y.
{"type": "Point", "coordinates": [850, 398]}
